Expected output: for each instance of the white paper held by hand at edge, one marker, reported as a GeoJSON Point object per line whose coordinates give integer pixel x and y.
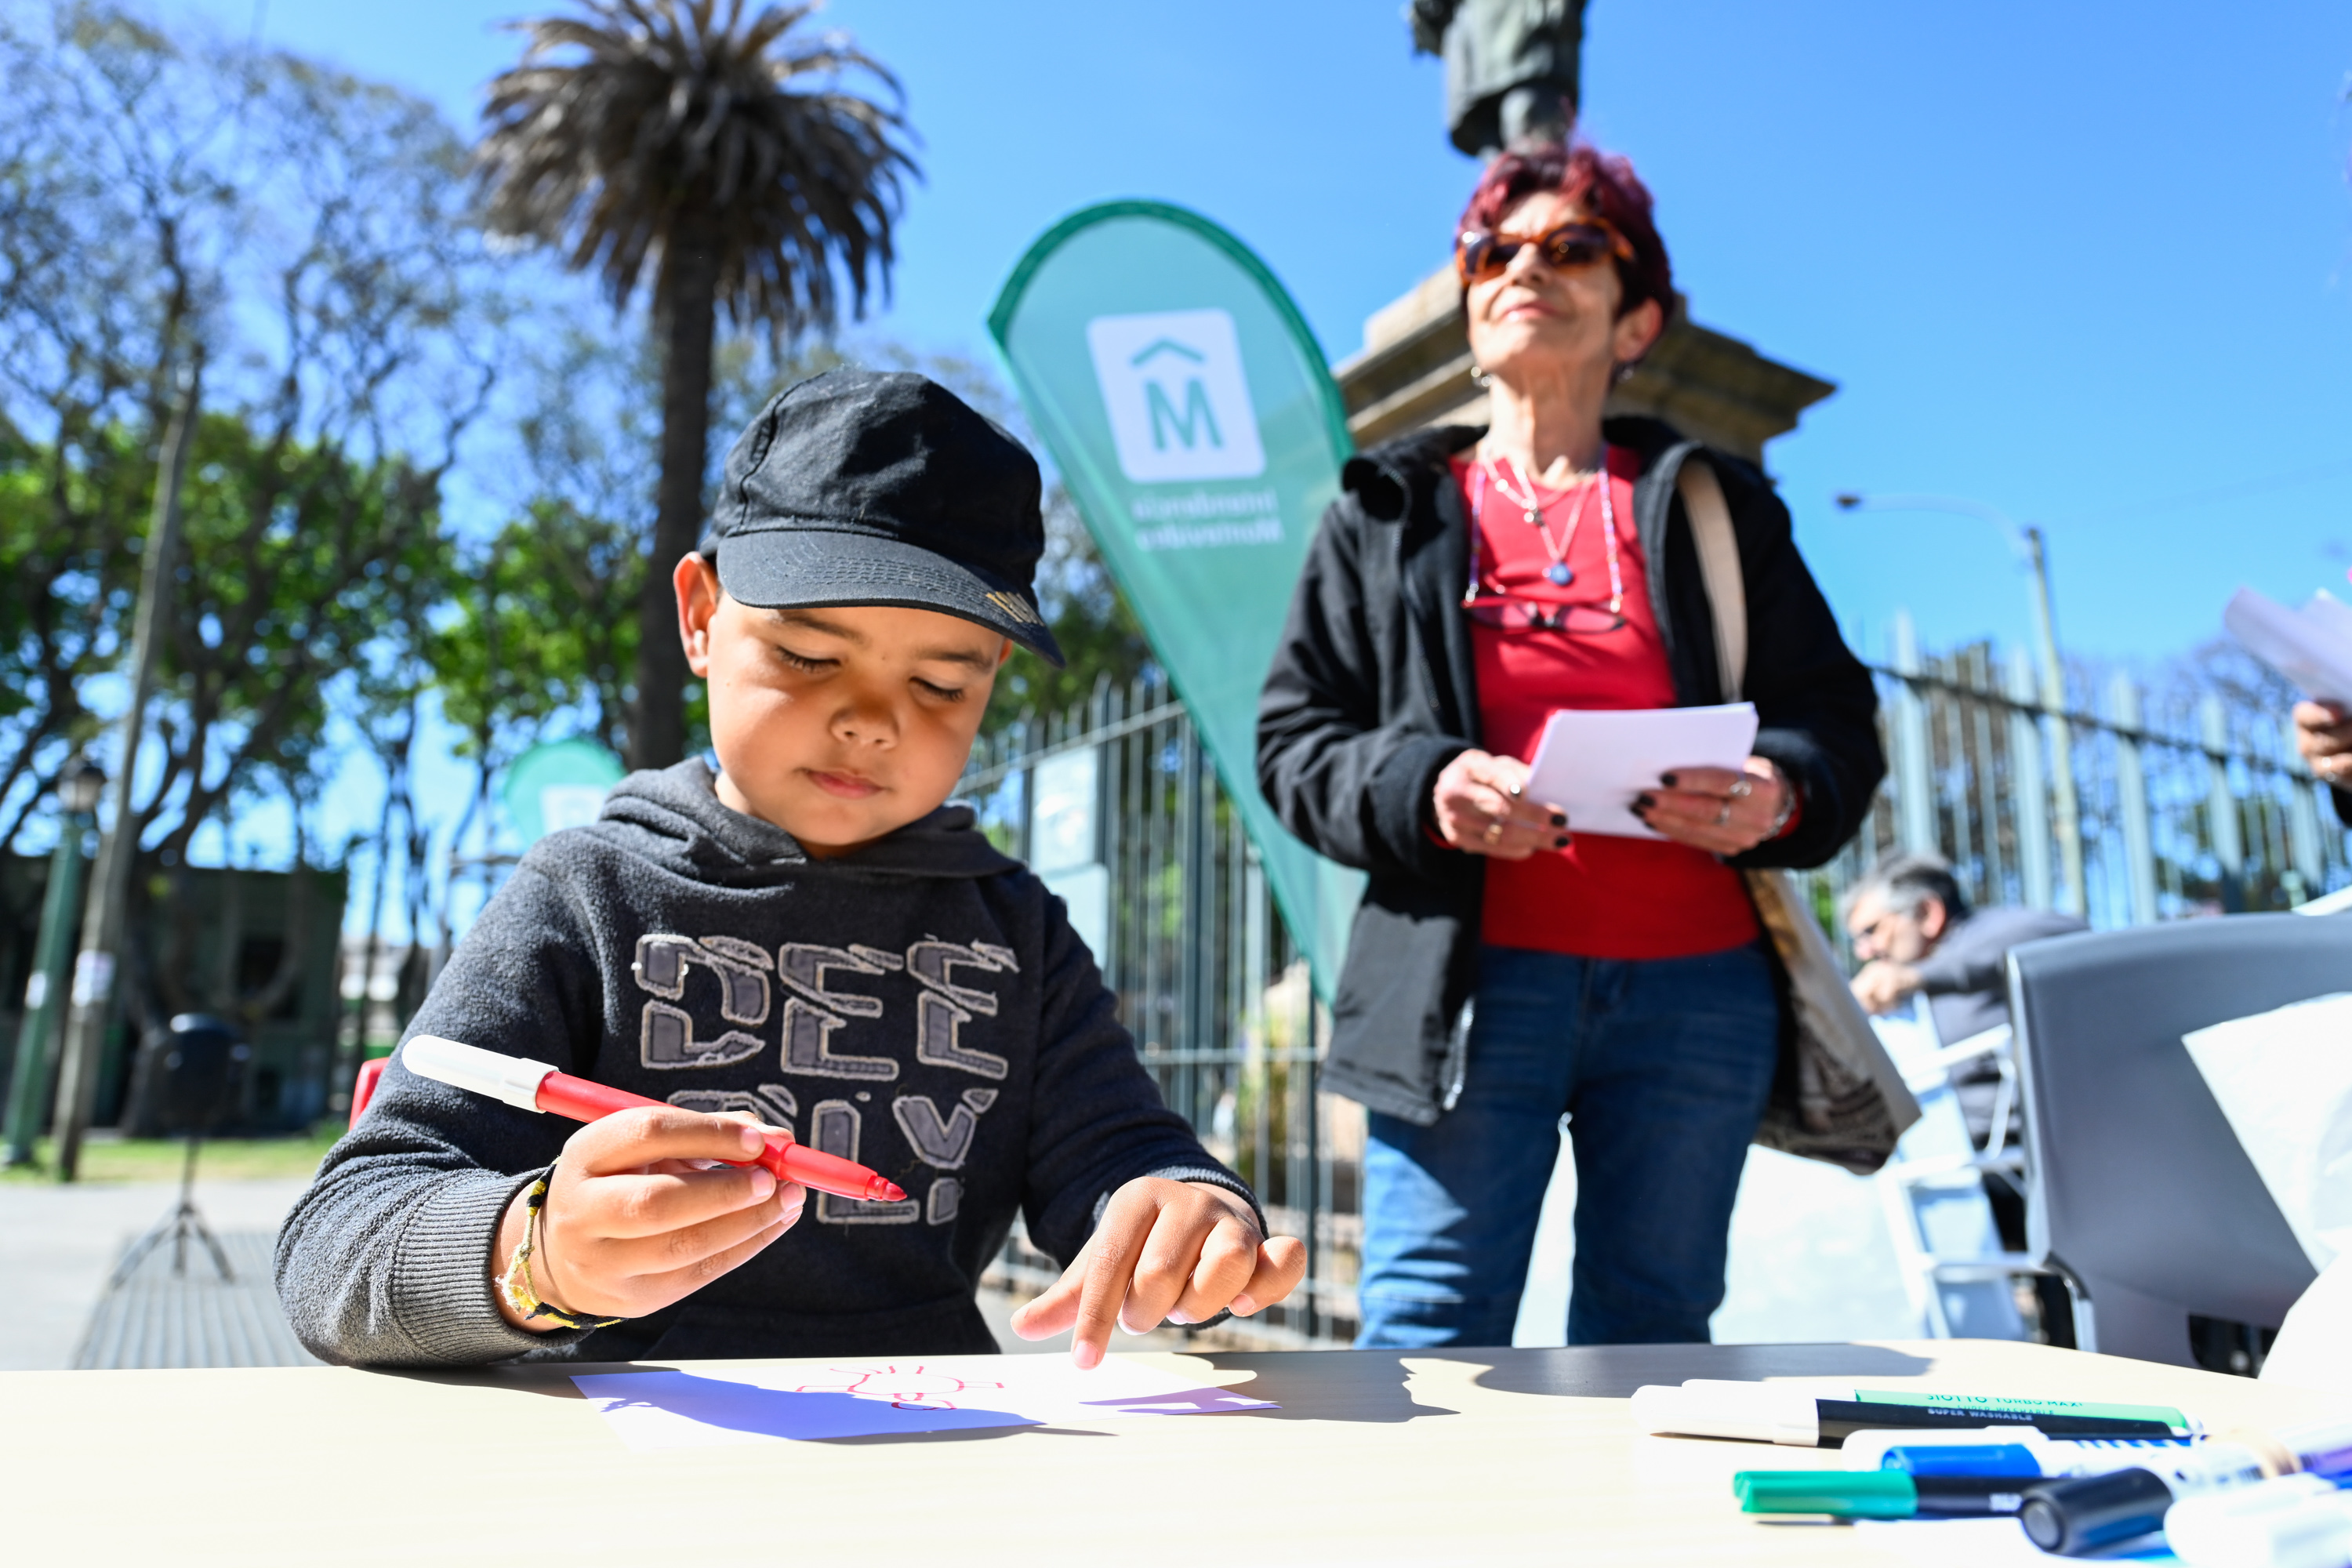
{"type": "Point", "coordinates": [2310, 646]}
{"type": "Point", "coordinates": [1591, 763]}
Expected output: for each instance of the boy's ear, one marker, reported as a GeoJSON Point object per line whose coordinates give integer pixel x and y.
{"type": "Point", "coordinates": [1005, 653]}
{"type": "Point", "coordinates": [697, 582]}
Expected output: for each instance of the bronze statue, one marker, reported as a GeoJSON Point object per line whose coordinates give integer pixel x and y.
{"type": "Point", "coordinates": [1510, 68]}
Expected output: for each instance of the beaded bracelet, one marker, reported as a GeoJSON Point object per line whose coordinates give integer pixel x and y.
{"type": "Point", "coordinates": [516, 1285]}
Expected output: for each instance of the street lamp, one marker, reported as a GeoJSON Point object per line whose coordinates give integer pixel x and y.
{"type": "Point", "coordinates": [78, 785]}
{"type": "Point", "coordinates": [2027, 539]}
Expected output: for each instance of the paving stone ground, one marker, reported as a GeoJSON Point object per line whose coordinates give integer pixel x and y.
{"type": "Point", "coordinates": [59, 1244]}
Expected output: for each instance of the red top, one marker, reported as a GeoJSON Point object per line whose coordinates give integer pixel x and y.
{"type": "Point", "coordinates": [1602, 896]}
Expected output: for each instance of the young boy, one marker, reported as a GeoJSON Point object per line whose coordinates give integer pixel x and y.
{"type": "Point", "coordinates": [807, 938]}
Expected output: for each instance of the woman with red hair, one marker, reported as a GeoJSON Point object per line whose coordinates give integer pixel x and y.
{"type": "Point", "coordinates": [1506, 972]}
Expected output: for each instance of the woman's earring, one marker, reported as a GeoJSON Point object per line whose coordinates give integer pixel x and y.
{"type": "Point", "coordinates": [1478, 376]}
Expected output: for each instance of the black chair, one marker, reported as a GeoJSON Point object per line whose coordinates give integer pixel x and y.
{"type": "Point", "coordinates": [2139, 1195]}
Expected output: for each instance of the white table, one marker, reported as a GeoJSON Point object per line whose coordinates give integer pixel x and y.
{"type": "Point", "coordinates": [1472, 1457]}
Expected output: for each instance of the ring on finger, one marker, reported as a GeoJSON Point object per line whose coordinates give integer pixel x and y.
{"type": "Point", "coordinates": [1493, 833]}
{"type": "Point", "coordinates": [1723, 815]}
{"type": "Point", "coordinates": [1741, 788]}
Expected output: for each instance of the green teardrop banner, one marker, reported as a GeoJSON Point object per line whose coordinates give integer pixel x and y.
{"type": "Point", "coordinates": [1198, 430]}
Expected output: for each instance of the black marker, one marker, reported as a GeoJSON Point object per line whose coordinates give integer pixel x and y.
{"type": "Point", "coordinates": [1823, 1418]}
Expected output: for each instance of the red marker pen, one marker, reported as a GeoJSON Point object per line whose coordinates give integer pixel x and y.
{"type": "Point", "coordinates": [535, 1086]}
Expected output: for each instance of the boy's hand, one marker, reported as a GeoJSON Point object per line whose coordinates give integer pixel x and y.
{"type": "Point", "coordinates": [639, 1215]}
{"type": "Point", "coordinates": [1181, 1251]}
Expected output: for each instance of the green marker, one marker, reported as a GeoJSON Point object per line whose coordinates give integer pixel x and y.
{"type": "Point", "coordinates": [1880, 1494]}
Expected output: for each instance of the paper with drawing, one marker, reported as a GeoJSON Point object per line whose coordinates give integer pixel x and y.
{"type": "Point", "coordinates": [809, 1399]}
{"type": "Point", "coordinates": [1592, 764]}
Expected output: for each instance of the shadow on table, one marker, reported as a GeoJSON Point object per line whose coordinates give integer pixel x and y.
{"type": "Point", "coordinates": [552, 1379]}
{"type": "Point", "coordinates": [1331, 1385]}
{"type": "Point", "coordinates": [1614, 1371]}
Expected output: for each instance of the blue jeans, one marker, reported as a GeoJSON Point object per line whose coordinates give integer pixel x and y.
{"type": "Point", "coordinates": [1661, 1067]}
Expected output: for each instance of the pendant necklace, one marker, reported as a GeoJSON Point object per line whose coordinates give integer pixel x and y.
{"type": "Point", "coordinates": [1559, 571]}
{"type": "Point", "coordinates": [1531, 505]}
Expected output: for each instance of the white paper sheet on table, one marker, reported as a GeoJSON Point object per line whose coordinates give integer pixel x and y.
{"type": "Point", "coordinates": [2283, 1079]}
{"type": "Point", "coordinates": [1592, 764]}
{"type": "Point", "coordinates": [673, 1409]}
{"type": "Point", "coordinates": [2311, 647]}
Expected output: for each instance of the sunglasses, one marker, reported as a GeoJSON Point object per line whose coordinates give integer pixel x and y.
{"type": "Point", "coordinates": [1579, 243]}
{"type": "Point", "coordinates": [1511, 614]}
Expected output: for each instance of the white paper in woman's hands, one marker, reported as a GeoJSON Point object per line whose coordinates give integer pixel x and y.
{"type": "Point", "coordinates": [1592, 764]}
{"type": "Point", "coordinates": [2311, 647]}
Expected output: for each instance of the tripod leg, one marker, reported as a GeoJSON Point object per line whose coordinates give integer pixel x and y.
{"type": "Point", "coordinates": [186, 1206]}
{"type": "Point", "coordinates": [194, 1221]}
{"type": "Point", "coordinates": [140, 1250]}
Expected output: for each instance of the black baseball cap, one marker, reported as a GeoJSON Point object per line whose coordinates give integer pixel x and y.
{"type": "Point", "coordinates": [862, 487]}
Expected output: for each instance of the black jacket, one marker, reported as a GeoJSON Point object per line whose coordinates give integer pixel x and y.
{"type": "Point", "coordinates": [1373, 692]}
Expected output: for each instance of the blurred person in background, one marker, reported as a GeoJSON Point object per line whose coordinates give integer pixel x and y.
{"type": "Point", "coordinates": [1915, 934]}
{"type": "Point", "coordinates": [1506, 971]}
{"type": "Point", "coordinates": [1920, 943]}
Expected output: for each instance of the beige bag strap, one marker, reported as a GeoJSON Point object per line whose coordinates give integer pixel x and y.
{"type": "Point", "coordinates": [1718, 568]}
{"type": "Point", "coordinates": [1833, 1040]}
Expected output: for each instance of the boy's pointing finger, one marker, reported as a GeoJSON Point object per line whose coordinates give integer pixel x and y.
{"type": "Point", "coordinates": [1109, 1267]}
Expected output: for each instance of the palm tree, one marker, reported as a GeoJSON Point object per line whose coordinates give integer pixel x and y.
{"type": "Point", "coordinates": [727, 152]}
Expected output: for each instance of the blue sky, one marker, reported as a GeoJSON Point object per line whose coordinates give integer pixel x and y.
{"type": "Point", "coordinates": [2085, 262]}
{"type": "Point", "coordinates": [2088, 263]}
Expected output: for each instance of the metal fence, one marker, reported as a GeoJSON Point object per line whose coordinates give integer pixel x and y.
{"type": "Point", "coordinates": [2182, 809]}
{"type": "Point", "coordinates": [1168, 891]}
{"type": "Point", "coordinates": [2182, 804]}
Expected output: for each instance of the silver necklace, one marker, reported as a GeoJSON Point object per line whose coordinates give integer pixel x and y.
{"type": "Point", "coordinates": [1530, 504]}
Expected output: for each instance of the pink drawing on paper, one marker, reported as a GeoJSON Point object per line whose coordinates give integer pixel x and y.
{"type": "Point", "coordinates": [916, 1387]}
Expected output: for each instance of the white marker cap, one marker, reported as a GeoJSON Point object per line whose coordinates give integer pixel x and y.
{"type": "Point", "coordinates": [514, 1079]}
{"type": "Point", "coordinates": [1758, 1412]}
{"type": "Point", "coordinates": [2293, 1522]}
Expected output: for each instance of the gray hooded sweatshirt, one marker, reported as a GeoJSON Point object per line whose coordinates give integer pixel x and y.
{"type": "Point", "coordinates": [920, 1005]}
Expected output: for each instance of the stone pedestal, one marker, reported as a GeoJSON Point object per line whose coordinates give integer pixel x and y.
{"type": "Point", "coordinates": [1414, 372]}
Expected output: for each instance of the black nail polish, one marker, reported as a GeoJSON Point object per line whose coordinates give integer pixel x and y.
{"type": "Point", "coordinates": [1667, 780]}
{"type": "Point", "coordinates": [1644, 801]}
{"type": "Point", "coordinates": [1560, 819]}
{"type": "Point", "coordinates": [1562, 842]}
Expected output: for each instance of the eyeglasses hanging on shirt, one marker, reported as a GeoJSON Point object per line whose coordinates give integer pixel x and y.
{"type": "Point", "coordinates": [1508, 611]}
